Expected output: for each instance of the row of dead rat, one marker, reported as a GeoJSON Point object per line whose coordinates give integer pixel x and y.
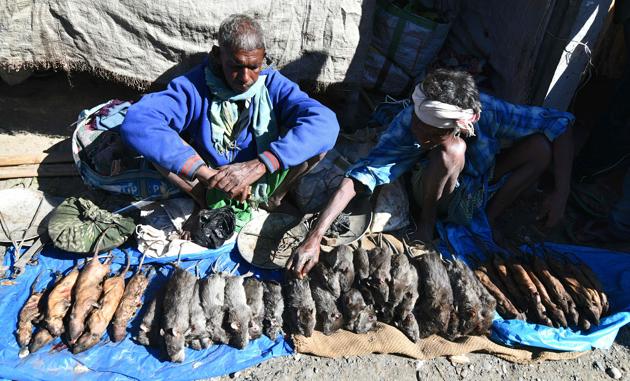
{"type": "Point", "coordinates": [549, 289]}
{"type": "Point", "coordinates": [80, 306]}
{"type": "Point", "coordinates": [350, 289]}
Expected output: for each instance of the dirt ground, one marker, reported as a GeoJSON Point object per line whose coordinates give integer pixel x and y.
{"type": "Point", "coordinates": [594, 365]}
{"type": "Point", "coordinates": [37, 116]}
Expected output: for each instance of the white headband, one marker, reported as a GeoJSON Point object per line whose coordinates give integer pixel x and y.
{"type": "Point", "coordinates": [444, 115]}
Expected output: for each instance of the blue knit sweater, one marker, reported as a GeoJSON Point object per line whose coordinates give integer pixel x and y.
{"type": "Point", "coordinates": [171, 127]}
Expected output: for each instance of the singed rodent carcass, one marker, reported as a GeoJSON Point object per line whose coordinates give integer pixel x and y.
{"type": "Point", "coordinates": [435, 303]}
{"type": "Point", "coordinates": [85, 295]}
{"type": "Point", "coordinates": [100, 317]}
{"type": "Point", "coordinates": [300, 308]}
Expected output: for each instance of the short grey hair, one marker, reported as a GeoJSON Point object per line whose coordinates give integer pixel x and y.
{"type": "Point", "coordinates": [241, 32]}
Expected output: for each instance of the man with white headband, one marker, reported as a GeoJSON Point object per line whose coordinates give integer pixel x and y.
{"type": "Point", "coordinates": [452, 142]}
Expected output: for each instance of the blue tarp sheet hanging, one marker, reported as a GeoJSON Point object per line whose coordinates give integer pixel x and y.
{"type": "Point", "coordinates": [612, 269]}
{"type": "Point", "coordinates": [125, 360]}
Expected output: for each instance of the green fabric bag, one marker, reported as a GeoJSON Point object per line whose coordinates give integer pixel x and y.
{"type": "Point", "coordinates": [76, 225]}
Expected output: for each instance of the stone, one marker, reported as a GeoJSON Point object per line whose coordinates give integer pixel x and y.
{"type": "Point", "coordinates": [614, 373]}
{"type": "Point", "coordinates": [599, 366]}
{"type": "Point", "coordinates": [459, 359]}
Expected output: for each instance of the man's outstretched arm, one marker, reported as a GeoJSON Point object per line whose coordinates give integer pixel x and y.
{"type": "Point", "coordinates": [307, 254]}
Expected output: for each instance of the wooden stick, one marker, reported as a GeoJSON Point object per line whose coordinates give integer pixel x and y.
{"type": "Point", "coordinates": [36, 158]}
{"type": "Point", "coordinates": [38, 170]}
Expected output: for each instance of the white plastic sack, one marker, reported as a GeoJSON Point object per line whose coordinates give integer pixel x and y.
{"type": "Point", "coordinates": [391, 211]}
{"type": "Point", "coordinates": [155, 244]}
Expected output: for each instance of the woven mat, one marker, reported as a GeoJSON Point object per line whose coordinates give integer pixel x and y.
{"type": "Point", "coordinates": [387, 339]}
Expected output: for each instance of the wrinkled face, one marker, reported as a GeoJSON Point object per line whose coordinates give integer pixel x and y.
{"type": "Point", "coordinates": [428, 135]}
{"type": "Point", "coordinates": [241, 68]}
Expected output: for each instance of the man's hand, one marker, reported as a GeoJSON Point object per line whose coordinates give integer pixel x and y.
{"type": "Point", "coordinates": [235, 179]}
{"type": "Point", "coordinates": [305, 257]}
{"type": "Point", "coordinates": [553, 207]}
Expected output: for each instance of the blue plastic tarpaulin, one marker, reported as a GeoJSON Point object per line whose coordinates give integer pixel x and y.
{"type": "Point", "coordinates": [612, 269]}
{"type": "Point", "coordinates": [126, 359]}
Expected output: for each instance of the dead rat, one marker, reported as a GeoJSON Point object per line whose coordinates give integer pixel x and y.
{"type": "Point", "coordinates": [328, 317]}
{"type": "Point", "coordinates": [324, 276]}
{"type": "Point", "coordinates": [361, 263]}
{"type": "Point", "coordinates": [433, 308]}
{"type": "Point", "coordinates": [380, 275]}
{"type": "Point", "coordinates": [113, 290]}
{"type": "Point", "coordinates": [274, 308]}
{"type": "Point", "coordinates": [149, 332]}
{"type": "Point", "coordinates": [488, 305]}
{"type": "Point", "coordinates": [86, 293]}
{"type": "Point", "coordinates": [359, 317]}
{"type": "Point", "coordinates": [30, 313]}
{"type": "Point", "coordinates": [130, 302]}
{"type": "Point", "coordinates": [237, 312]}
{"type": "Point", "coordinates": [409, 326]}
{"type": "Point", "coordinates": [466, 298]}
{"type": "Point", "coordinates": [300, 307]}
{"type": "Point", "coordinates": [198, 335]}
{"type": "Point", "coordinates": [340, 260]}
{"type": "Point", "coordinates": [40, 339]}
{"type": "Point", "coordinates": [59, 301]}
{"type": "Point", "coordinates": [254, 291]}
{"type": "Point", "coordinates": [176, 312]}
{"type": "Point", "coordinates": [212, 294]}
{"type": "Point", "coordinates": [404, 283]}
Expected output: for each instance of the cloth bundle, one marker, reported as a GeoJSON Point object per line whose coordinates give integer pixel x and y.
{"type": "Point", "coordinates": [213, 227]}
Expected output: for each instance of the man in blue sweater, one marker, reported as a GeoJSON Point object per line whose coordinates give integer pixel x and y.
{"type": "Point", "coordinates": [240, 133]}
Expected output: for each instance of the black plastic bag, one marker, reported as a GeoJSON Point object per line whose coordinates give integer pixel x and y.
{"type": "Point", "coordinates": [213, 226]}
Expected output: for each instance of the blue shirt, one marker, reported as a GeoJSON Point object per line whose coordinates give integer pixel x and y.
{"type": "Point", "coordinates": [171, 127]}
{"type": "Point", "coordinates": [501, 124]}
